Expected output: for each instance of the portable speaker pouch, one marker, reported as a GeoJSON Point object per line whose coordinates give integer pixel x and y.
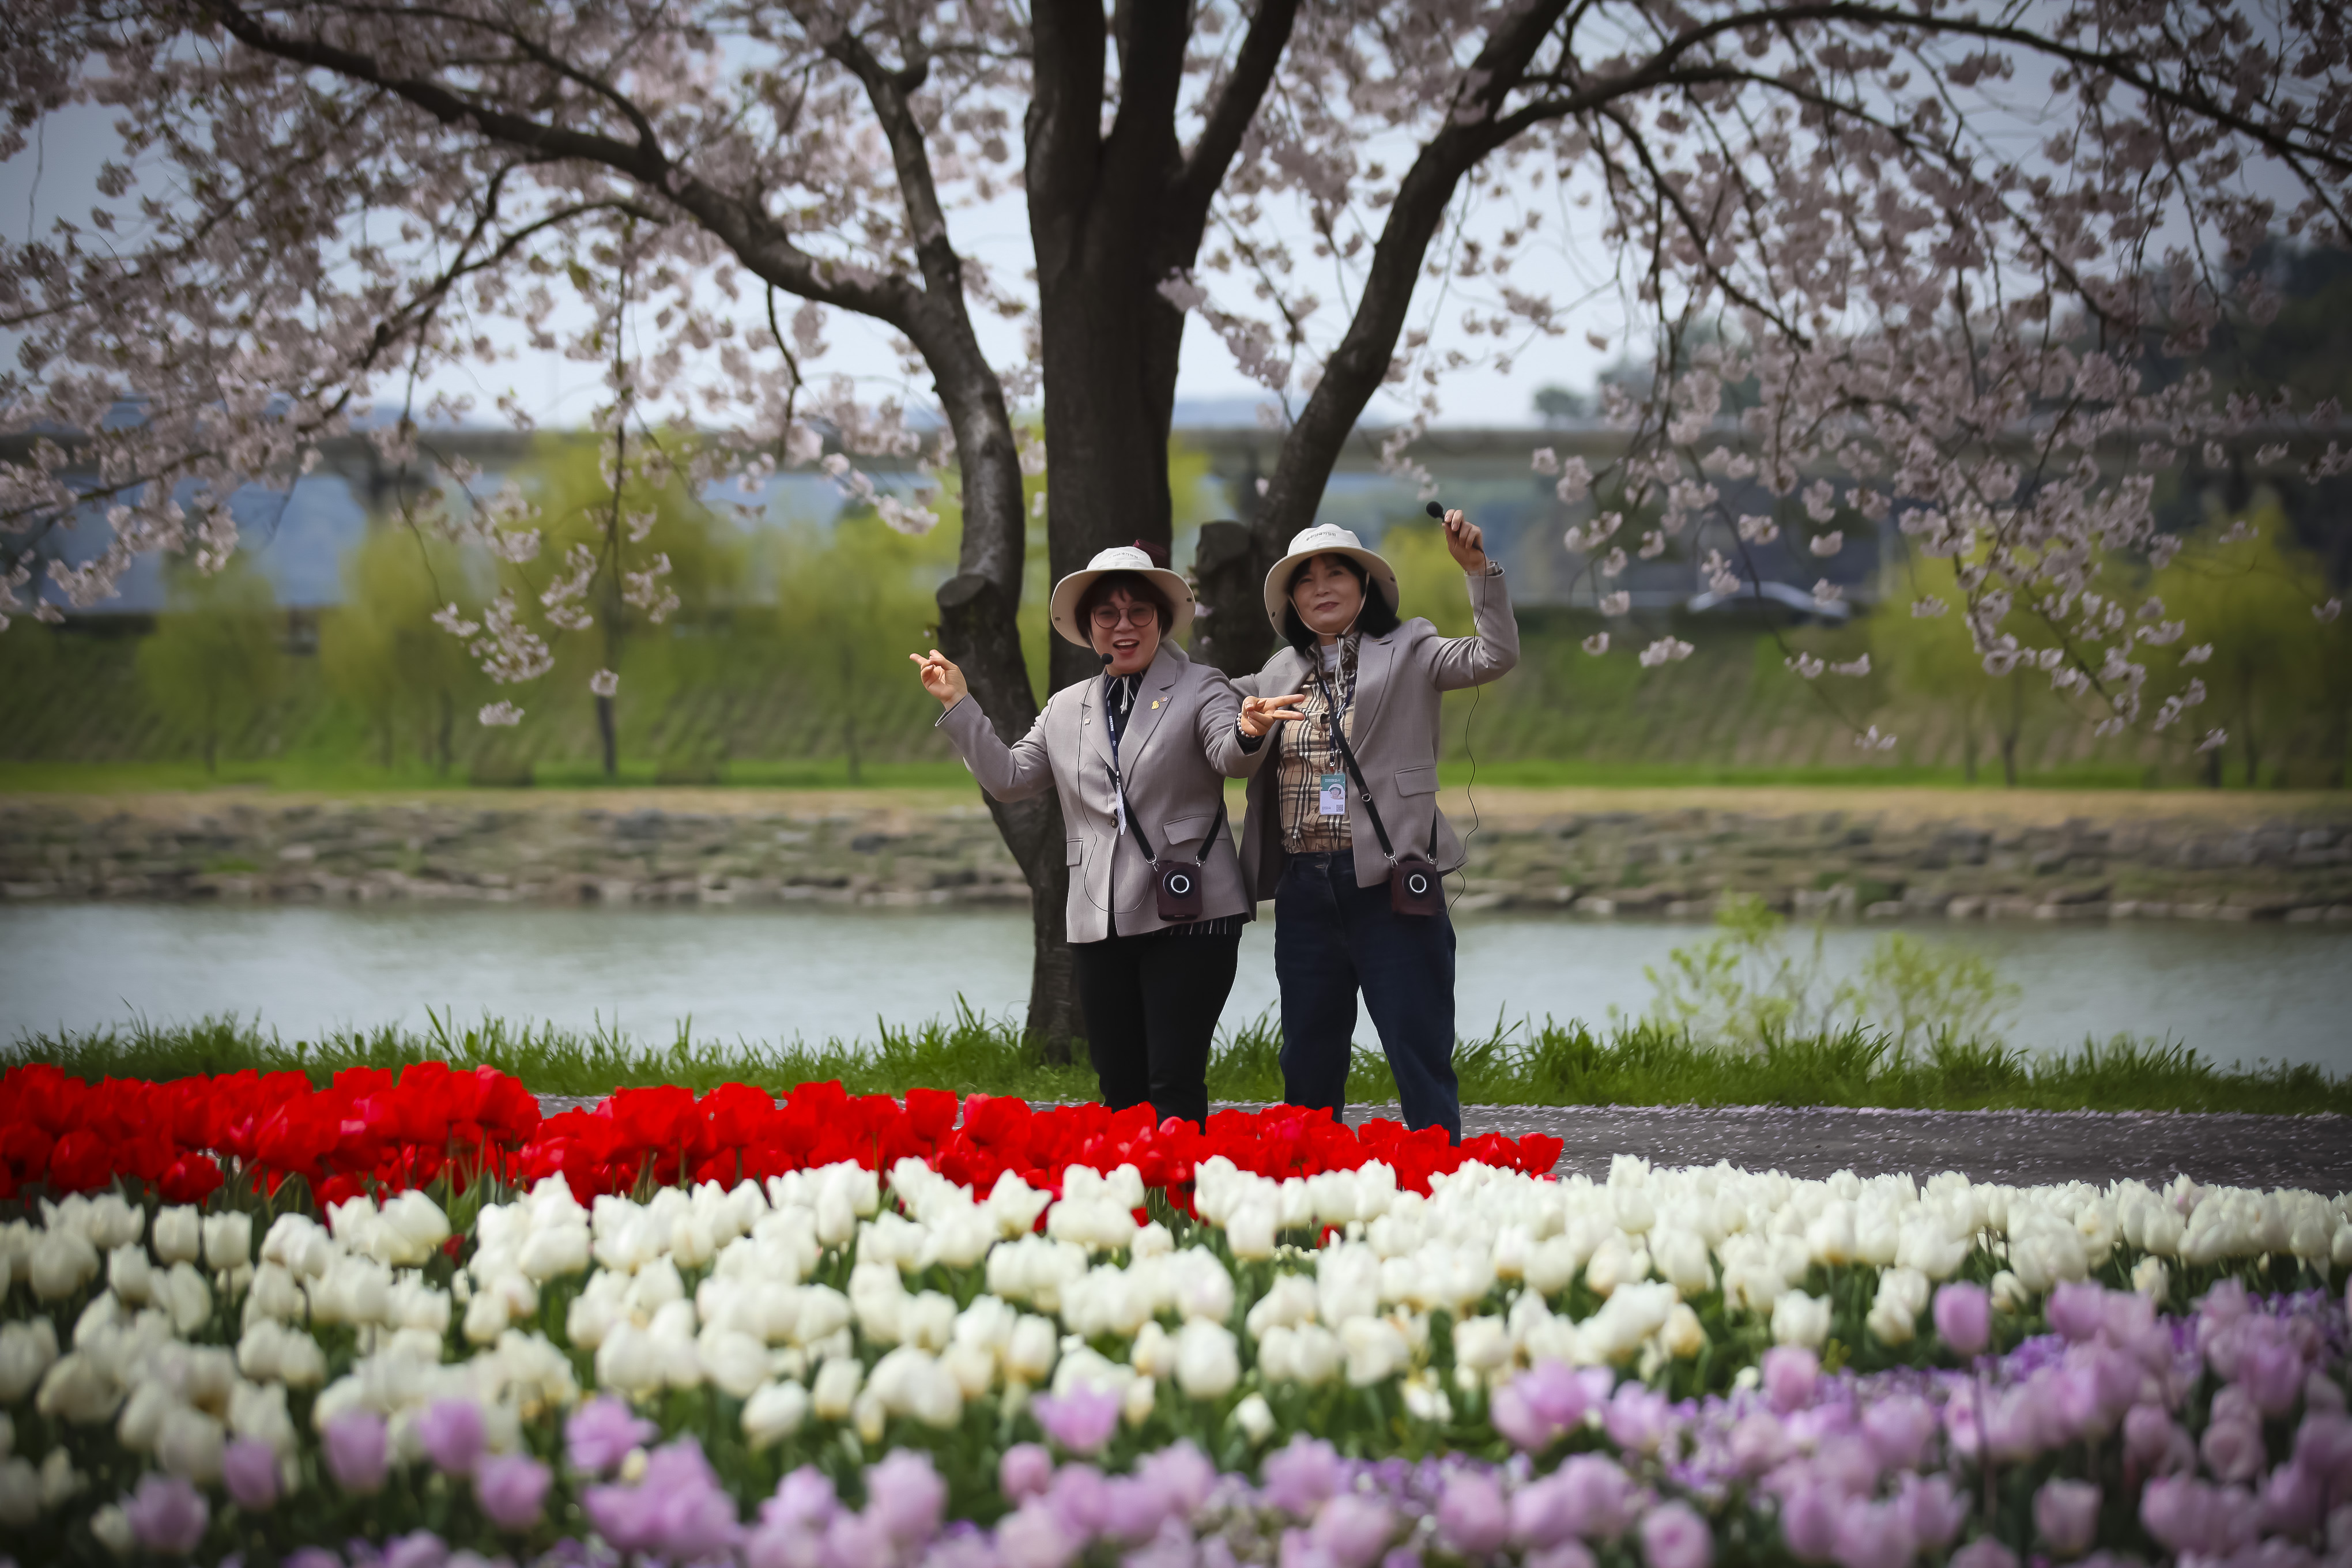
{"type": "Point", "coordinates": [1176, 884]}
{"type": "Point", "coordinates": [1415, 885]}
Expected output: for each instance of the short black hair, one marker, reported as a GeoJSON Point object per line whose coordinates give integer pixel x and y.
{"type": "Point", "coordinates": [1142, 588]}
{"type": "Point", "coordinates": [1378, 618]}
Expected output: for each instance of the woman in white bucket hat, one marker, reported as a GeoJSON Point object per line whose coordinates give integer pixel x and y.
{"type": "Point", "coordinates": [1139, 757]}
{"type": "Point", "coordinates": [1343, 831]}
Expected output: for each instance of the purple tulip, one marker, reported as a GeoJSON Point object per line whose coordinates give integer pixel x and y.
{"type": "Point", "coordinates": [1080, 1498]}
{"type": "Point", "coordinates": [1079, 1422]}
{"type": "Point", "coordinates": [1984, 1551]}
{"type": "Point", "coordinates": [1673, 1536]}
{"type": "Point", "coordinates": [1182, 1474]}
{"type": "Point", "coordinates": [1025, 1471]}
{"type": "Point", "coordinates": [1517, 1418]}
{"type": "Point", "coordinates": [2232, 1449]}
{"type": "Point", "coordinates": [1899, 1428]}
{"type": "Point", "coordinates": [1791, 1374]}
{"type": "Point", "coordinates": [785, 1545]}
{"type": "Point", "coordinates": [1600, 1496]}
{"type": "Point", "coordinates": [2077, 1310]}
{"type": "Point", "coordinates": [1808, 1516]}
{"type": "Point", "coordinates": [1031, 1537]}
{"type": "Point", "coordinates": [2323, 1446]}
{"type": "Point", "coordinates": [249, 1471]}
{"type": "Point", "coordinates": [1932, 1509]}
{"type": "Point", "coordinates": [1638, 1418]}
{"type": "Point", "coordinates": [905, 1494]}
{"type": "Point", "coordinates": [512, 1489]}
{"type": "Point", "coordinates": [312, 1557]}
{"type": "Point", "coordinates": [1402, 1557]}
{"type": "Point", "coordinates": [418, 1549]}
{"type": "Point", "coordinates": [2291, 1500]}
{"type": "Point", "coordinates": [2147, 1437]}
{"type": "Point", "coordinates": [1871, 1535]}
{"type": "Point", "coordinates": [1471, 1515]}
{"type": "Point", "coordinates": [2270, 1372]}
{"type": "Point", "coordinates": [358, 1450]}
{"type": "Point", "coordinates": [167, 1515]}
{"type": "Point", "coordinates": [803, 1500]}
{"type": "Point", "coordinates": [600, 1433]}
{"type": "Point", "coordinates": [1759, 1441]}
{"type": "Point", "coordinates": [1133, 1510]}
{"type": "Point", "coordinates": [2066, 1516]}
{"type": "Point", "coordinates": [1301, 1474]}
{"type": "Point", "coordinates": [1352, 1530]}
{"type": "Point", "coordinates": [677, 1511]}
{"type": "Point", "coordinates": [452, 1435]}
{"type": "Point", "coordinates": [1543, 1513]}
{"type": "Point", "coordinates": [856, 1540]}
{"type": "Point", "coordinates": [1570, 1554]}
{"type": "Point", "coordinates": [1964, 1318]}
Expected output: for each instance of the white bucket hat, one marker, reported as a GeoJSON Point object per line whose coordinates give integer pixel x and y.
{"type": "Point", "coordinates": [1323, 539]}
{"type": "Point", "coordinates": [1120, 558]}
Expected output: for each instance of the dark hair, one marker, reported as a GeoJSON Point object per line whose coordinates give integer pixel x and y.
{"type": "Point", "coordinates": [1378, 618]}
{"type": "Point", "coordinates": [1141, 587]}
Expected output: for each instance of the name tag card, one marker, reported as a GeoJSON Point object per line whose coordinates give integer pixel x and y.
{"type": "Point", "coordinates": [1332, 800]}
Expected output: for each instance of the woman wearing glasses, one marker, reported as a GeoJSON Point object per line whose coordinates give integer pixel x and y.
{"type": "Point", "coordinates": [1139, 757]}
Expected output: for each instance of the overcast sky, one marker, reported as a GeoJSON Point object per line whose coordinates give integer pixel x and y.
{"type": "Point", "coordinates": [57, 173]}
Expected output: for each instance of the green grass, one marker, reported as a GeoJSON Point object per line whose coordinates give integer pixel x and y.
{"type": "Point", "coordinates": [1529, 773]}
{"type": "Point", "coordinates": [1552, 1064]}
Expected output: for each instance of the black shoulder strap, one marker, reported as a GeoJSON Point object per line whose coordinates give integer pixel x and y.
{"type": "Point", "coordinates": [1136, 826]}
{"type": "Point", "coordinates": [1347, 756]}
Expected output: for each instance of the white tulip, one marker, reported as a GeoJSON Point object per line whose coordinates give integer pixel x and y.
{"type": "Point", "coordinates": [927, 1321]}
{"type": "Point", "coordinates": [413, 1229]}
{"type": "Point", "coordinates": [629, 1360]}
{"type": "Point", "coordinates": [1290, 1300]}
{"type": "Point", "coordinates": [301, 1361]}
{"type": "Point", "coordinates": [111, 1528]}
{"type": "Point", "coordinates": [1680, 1258]}
{"type": "Point", "coordinates": [835, 1388]}
{"type": "Point", "coordinates": [228, 1240]}
{"type": "Point", "coordinates": [1136, 1407]}
{"type": "Point", "coordinates": [26, 1351]}
{"type": "Point", "coordinates": [1254, 1418]}
{"type": "Point", "coordinates": [1032, 1349]}
{"type": "Point", "coordinates": [60, 1479]}
{"type": "Point", "coordinates": [129, 1275]}
{"type": "Point", "coordinates": [142, 1421]}
{"type": "Point", "coordinates": [974, 1367]}
{"type": "Point", "coordinates": [186, 1298]}
{"type": "Point", "coordinates": [1375, 1348]}
{"type": "Point", "coordinates": [188, 1444]}
{"type": "Point", "coordinates": [1800, 1320]}
{"type": "Point", "coordinates": [62, 1262]}
{"type": "Point", "coordinates": [774, 1413]}
{"type": "Point", "coordinates": [486, 1319]}
{"type": "Point", "coordinates": [2152, 1279]}
{"type": "Point", "coordinates": [552, 1251]}
{"type": "Point", "coordinates": [20, 1493]}
{"type": "Point", "coordinates": [1250, 1232]}
{"type": "Point", "coordinates": [258, 1411]}
{"type": "Point", "coordinates": [1154, 1352]}
{"type": "Point", "coordinates": [1684, 1335]}
{"type": "Point", "coordinates": [179, 1235]}
{"type": "Point", "coordinates": [735, 1362]}
{"type": "Point", "coordinates": [1208, 1361]}
{"type": "Point", "coordinates": [75, 1389]}
{"type": "Point", "coordinates": [1481, 1344]}
{"type": "Point", "coordinates": [1612, 1264]}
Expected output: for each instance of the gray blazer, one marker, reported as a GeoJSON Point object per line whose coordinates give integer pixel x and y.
{"type": "Point", "coordinates": [1398, 680]}
{"type": "Point", "coordinates": [1182, 742]}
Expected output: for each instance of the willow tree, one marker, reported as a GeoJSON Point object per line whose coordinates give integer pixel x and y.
{"type": "Point", "coordinates": [320, 199]}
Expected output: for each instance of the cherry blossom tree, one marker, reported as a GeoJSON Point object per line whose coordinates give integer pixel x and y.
{"type": "Point", "coordinates": [1924, 261]}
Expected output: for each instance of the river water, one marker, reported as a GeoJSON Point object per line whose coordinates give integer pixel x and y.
{"type": "Point", "coordinates": [2237, 993]}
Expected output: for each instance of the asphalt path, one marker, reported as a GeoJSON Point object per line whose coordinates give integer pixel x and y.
{"type": "Point", "coordinates": [2018, 1147]}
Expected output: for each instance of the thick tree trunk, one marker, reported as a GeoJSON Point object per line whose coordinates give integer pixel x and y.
{"type": "Point", "coordinates": [1231, 631]}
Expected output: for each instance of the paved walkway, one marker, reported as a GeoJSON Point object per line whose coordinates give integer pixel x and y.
{"type": "Point", "coordinates": [2013, 1146]}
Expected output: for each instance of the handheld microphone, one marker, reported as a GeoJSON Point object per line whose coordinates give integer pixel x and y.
{"type": "Point", "coordinates": [1436, 510]}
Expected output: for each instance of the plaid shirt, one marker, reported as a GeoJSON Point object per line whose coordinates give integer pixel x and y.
{"type": "Point", "coordinates": [1307, 753]}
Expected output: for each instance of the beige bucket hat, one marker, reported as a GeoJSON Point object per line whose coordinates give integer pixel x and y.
{"type": "Point", "coordinates": [1120, 558]}
{"type": "Point", "coordinates": [1323, 539]}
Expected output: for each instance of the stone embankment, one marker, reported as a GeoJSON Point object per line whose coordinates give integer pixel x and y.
{"type": "Point", "coordinates": [1660, 863]}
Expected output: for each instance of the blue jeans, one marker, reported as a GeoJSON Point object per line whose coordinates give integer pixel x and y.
{"type": "Point", "coordinates": [1331, 937]}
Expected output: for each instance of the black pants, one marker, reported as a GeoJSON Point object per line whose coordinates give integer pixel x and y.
{"type": "Point", "coordinates": [1330, 937]}
{"type": "Point", "coordinates": [1152, 1004]}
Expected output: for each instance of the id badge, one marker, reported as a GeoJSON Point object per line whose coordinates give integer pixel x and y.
{"type": "Point", "coordinates": [1332, 799]}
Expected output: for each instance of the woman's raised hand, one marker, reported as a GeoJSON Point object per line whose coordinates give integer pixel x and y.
{"type": "Point", "coordinates": [1466, 542]}
{"type": "Point", "coordinates": [1260, 714]}
{"type": "Point", "coordinates": [941, 678]}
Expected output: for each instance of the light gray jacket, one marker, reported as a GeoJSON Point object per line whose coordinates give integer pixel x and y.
{"type": "Point", "coordinates": [1398, 680]}
{"type": "Point", "coordinates": [1181, 744]}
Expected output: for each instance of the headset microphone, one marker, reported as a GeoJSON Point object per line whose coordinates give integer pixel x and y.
{"type": "Point", "coordinates": [1106, 658]}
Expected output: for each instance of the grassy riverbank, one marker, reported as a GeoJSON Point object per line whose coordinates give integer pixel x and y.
{"type": "Point", "coordinates": [1549, 1065]}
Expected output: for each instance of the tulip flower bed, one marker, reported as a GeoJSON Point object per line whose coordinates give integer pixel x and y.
{"type": "Point", "coordinates": [406, 1320]}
